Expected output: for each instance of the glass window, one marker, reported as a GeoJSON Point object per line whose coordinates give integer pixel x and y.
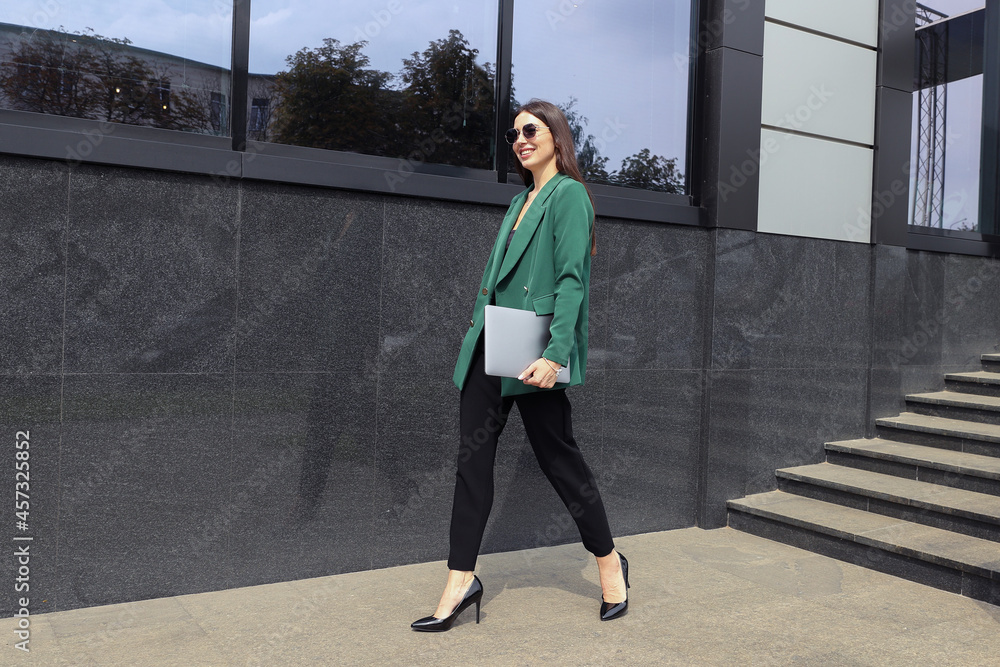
{"type": "Point", "coordinates": [946, 141]}
{"type": "Point", "coordinates": [260, 108]}
{"type": "Point", "coordinates": [621, 76]}
{"type": "Point", "coordinates": [162, 65]}
{"type": "Point", "coordinates": [412, 80]}
{"type": "Point", "coordinates": [937, 9]}
{"type": "Point", "coordinates": [219, 113]}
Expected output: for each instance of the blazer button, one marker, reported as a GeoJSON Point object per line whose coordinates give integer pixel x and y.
{"type": "Point", "coordinates": [485, 291]}
{"type": "Point", "coordinates": [471, 324]}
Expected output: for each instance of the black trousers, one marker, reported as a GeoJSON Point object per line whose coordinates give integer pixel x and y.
{"type": "Point", "coordinates": [547, 421]}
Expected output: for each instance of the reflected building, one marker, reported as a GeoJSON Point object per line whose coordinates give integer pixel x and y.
{"type": "Point", "coordinates": [85, 75]}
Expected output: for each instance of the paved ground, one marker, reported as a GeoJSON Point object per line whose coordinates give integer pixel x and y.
{"type": "Point", "coordinates": [699, 597]}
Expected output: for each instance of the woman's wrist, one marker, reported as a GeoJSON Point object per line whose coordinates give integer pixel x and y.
{"type": "Point", "coordinates": [556, 368]}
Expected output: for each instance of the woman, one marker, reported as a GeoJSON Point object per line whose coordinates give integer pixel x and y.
{"type": "Point", "coordinates": [540, 262]}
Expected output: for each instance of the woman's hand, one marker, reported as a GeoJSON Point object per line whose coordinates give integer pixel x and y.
{"type": "Point", "coordinates": [542, 374]}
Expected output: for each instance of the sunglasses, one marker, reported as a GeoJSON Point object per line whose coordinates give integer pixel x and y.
{"type": "Point", "coordinates": [529, 130]}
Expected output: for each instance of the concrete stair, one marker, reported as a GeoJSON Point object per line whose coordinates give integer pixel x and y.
{"type": "Point", "coordinates": [956, 405]}
{"type": "Point", "coordinates": [921, 500]}
{"type": "Point", "coordinates": [972, 472]}
{"type": "Point", "coordinates": [985, 383]}
{"type": "Point", "coordinates": [991, 362]}
{"type": "Point", "coordinates": [969, 437]}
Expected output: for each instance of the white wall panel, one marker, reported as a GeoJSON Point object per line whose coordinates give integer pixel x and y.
{"type": "Point", "coordinates": [856, 20]}
{"type": "Point", "coordinates": [818, 85]}
{"type": "Point", "coordinates": [814, 187]}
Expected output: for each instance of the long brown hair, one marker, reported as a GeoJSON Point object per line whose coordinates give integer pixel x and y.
{"type": "Point", "coordinates": [566, 162]}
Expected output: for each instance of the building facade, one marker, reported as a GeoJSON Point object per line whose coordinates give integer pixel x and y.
{"type": "Point", "coordinates": [230, 334]}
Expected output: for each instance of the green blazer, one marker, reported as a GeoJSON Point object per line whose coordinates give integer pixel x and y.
{"type": "Point", "coordinates": [547, 270]}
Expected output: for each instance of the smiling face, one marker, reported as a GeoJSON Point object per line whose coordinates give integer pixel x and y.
{"type": "Point", "coordinates": [537, 154]}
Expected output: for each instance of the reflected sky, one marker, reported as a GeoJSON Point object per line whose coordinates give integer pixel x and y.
{"type": "Point", "coordinates": [963, 157]}
{"type": "Point", "coordinates": [199, 30]}
{"type": "Point", "coordinates": [393, 29]}
{"type": "Point", "coordinates": [963, 141]}
{"type": "Point", "coordinates": [627, 63]}
{"type": "Point", "coordinates": [954, 7]}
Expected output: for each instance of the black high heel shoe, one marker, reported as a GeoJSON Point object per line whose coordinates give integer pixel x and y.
{"type": "Point", "coordinates": [435, 624]}
{"type": "Point", "coordinates": [610, 610]}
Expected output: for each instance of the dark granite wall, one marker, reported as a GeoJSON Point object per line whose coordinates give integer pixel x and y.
{"type": "Point", "coordinates": [232, 384]}
{"type": "Point", "coordinates": [790, 340]}
{"type": "Point", "coordinates": [934, 313]}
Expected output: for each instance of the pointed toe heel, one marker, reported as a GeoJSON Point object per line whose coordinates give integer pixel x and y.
{"type": "Point", "coordinates": [434, 624]}
{"type": "Point", "coordinates": [612, 610]}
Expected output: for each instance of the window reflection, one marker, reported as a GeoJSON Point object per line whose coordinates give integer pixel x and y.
{"type": "Point", "coordinates": [410, 80]}
{"type": "Point", "coordinates": [941, 8]}
{"type": "Point", "coordinates": [104, 61]}
{"type": "Point", "coordinates": [621, 76]}
{"type": "Point", "coordinates": [946, 146]}
{"type": "Point", "coordinates": [946, 140]}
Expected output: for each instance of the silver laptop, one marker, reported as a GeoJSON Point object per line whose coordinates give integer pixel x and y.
{"type": "Point", "coordinates": [514, 339]}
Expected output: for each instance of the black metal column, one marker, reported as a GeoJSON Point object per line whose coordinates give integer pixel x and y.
{"type": "Point", "coordinates": [240, 74]}
{"type": "Point", "coordinates": [505, 41]}
{"type": "Point", "coordinates": [893, 123]}
{"type": "Point", "coordinates": [989, 190]}
{"type": "Point", "coordinates": [731, 34]}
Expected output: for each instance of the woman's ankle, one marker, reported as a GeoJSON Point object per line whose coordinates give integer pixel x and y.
{"type": "Point", "coordinates": [608, 560]}
{"type": "Point", "coordinates": [460, 577]}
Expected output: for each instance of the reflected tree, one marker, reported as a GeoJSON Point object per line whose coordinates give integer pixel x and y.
{"type": "Point", "coordinates": [86, 75]}
{"type": "Point", "coordinates": [124, 93]}
{"type": "Point", "coordinates": [139, 92]}
{"type": "Point", "coordinates": [642, 170]}
{"type": "Point", "coordinates": [50, 75]}
{"type": "Point", "coordinates": [649, 172]}
{"type": "Point", "coordinates": [588, 157]}
{"type": "Point", "coordinates": [331, 99]}
{"type": "Point", "coordinates": [448, 103]}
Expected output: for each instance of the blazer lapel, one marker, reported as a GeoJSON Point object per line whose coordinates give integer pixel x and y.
{"type": "Point", "coordinates": [527, 227]}
{"type": "Point", "coordinates": [501, 243]}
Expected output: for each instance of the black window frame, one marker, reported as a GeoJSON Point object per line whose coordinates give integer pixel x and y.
{"type": "Point", "coordinates": [904, 60]}
{"type": "Point", "coordinates": [236, 157]}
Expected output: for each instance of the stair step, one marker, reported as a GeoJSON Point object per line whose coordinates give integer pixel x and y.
{"type": "Point", "coordinates": [956, 405]}
{"type": "Point", "coordinates": [954, 434]}
{"type": "Point", "coordinates": [984, 377]}
{"type": "Point", "coordinates": [990, 362]}
{"type": "Point", "coordinates": [984, 383]}
{"type": "Point", "coordinates": [976, 514]}
{"type": "Point", "coordinates": [913, 551]}
{"type": "Point", "coordinates": [972, 472]}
